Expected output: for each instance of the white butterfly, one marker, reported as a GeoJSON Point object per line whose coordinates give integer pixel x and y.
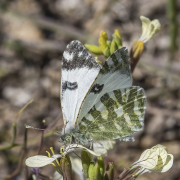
{"type": "Point", "coordinates": [99, 103]}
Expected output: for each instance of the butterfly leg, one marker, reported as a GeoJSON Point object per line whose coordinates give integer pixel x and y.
{"type": "Point", "coordinates": [91, 144]}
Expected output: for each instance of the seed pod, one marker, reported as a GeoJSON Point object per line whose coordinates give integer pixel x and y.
{"type": "Point", "coordinates": [86, 159]}
{"type": "Point", "coordinates": [101, 165]}
{"type": "Point", "coordinates": [90, 171]}
{"type": "Point", "coordinates": [65, 165]}
{"type": "Point", "coordinates": [109, 174]}
{"type": "Point", "coordinates": [96, 173]}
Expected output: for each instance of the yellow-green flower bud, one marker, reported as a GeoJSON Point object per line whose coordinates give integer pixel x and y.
{"type": "Point", "coordinates": [107, 52]}
{"type": "Point", "coordinates": [103, 40]}
{"type": "Point", "coordinates": [108, 44]}
{"type": "Point", "coordinates": [109, 174]}
{"type": "Point", "coordinates": [113, 47]}
{"type": "Point", "coordinates": [116, 32]}
{"type": "Point", "coordinates": [117, 40]}
{"type": "Point", "coordinates": [96, 175]}
{"type": "Point", "coordinates": [102, 167]}
{"type": "Point", "coordinates": [90, 171]}
{"type": "Point", "coordinates": [94, 49]}
{"type": "Point", "coordinates": [137, 49]}
{"type": "Point", "coordinates": [86, 159]}
{"type": "Point", "coordinates": [135, 53]}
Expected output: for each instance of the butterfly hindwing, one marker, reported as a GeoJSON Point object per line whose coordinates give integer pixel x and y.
{"type": "Point", "coordinates": [79, 70]}
{"type": "Point", "coordinates": [115, 74]}
{"type": "Point", "coordinates": [117, 115]}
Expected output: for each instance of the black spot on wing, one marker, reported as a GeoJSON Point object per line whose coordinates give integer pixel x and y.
{"type": "Point", "coordinates": [97, 88]}
{"type": "Point", "coordinates": [69, 85]}
{"type": "Point", "coordinates": [76, 56]}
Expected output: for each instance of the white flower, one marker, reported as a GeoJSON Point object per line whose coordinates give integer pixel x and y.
{"type": "Point", "coordinates": [148, 160]}
{"type": "Point", "coordinates": [77, 167]}
{"type": "Point", "coordinates": [155, 159]}
{"type": "Point", "coordinates": [40, 161]}
{"type": "Point", "coordinates": [103, 146]}
{"type": "Point", "coordinates": [149, 28]}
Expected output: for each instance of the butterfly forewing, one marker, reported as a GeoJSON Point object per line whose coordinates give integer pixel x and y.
{"type": "Point", "coordinates": [115, 74]}
{"type": "Point", "coordinates": [79, 70]}
{"type": "Point", "coordinates": [117, 115]}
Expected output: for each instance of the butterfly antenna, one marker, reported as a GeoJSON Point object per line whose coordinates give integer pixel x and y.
{"type": "Point", "coordinates": [31, 127]}
{"type": "Point", "coordinates": [64, 130]}
{"type": "Point", "coordinates": [77, 155]}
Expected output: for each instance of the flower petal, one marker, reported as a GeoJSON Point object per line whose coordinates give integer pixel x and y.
{"type": "Point", "coordinates": [160, 146]}
{"type": "Point", "coordinates": [98, 148]}
{"type": "Point", "coordinates": [77, 147]}
{"type": "Point", "coordinates": [149, 28]}
{"type": "Point", "coordinates": [77, 167]}
{"type": "Point", "coordinates": [57, 176]}
{"type": "Point", "coordinates": [148, 159]}
{"type": "Point", "coordinates": [103, 146]}
{"type": "Point", "coordinates": [108, 144]}
{"type": "Point", "coordinates": [168, 164]}
{"type": "Point", "coordinates": [40, 161]}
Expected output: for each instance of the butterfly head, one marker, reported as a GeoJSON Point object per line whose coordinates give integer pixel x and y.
{"type": "Point", "coordinates": [67, 138]}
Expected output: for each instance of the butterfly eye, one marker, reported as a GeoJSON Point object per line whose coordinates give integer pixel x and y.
{"type": "Point", "coordinates": [68, 139]}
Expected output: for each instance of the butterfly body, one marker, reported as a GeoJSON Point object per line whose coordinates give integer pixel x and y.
{"type": "Point", "coordinates": [76, 137]}
{"type": "Point", "coordinates": [99, 103]}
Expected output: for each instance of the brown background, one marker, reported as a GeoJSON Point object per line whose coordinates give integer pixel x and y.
{"type": "Point", "coordinates": [33, 36]}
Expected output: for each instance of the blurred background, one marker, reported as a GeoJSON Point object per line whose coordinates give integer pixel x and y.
{"type": "Point", "coordinates": [33, 36]}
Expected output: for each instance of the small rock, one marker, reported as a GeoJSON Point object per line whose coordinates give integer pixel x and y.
{"type": "Point", "coordinates": [17, 96]}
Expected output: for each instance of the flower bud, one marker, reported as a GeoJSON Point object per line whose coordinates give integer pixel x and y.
{"type": "Point", "coordinates": [117, 40]}
{"type": "Point", "coordinates": [113, 47]}
{"type": "Point", "coordinates": [135, 53]}
{"type": "Point", "coordinates": [103, 40]}
{"type": "Point", "coordinates": [117, 33]}
{"type": "Point", "coordinates": [94, 49]}
{"type": "Point", "coordinates": [107, 52]}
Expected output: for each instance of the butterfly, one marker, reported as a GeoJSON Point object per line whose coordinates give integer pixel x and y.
{"type": "Point", "coordinates": [99, 102]}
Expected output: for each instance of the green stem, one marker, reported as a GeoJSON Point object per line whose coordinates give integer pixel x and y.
{"type": "Point", "coordinates": [173, 25]}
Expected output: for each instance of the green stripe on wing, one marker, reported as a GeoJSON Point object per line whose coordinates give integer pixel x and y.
{"type": "Point", "coordinates": [117, 114]}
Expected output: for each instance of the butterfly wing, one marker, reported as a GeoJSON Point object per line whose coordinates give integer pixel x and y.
{"type": "Point", "coordinates": [79, 70]}
{"type": "Point", "coordinates": [117, 115]}
{"type": "Point", "coordinates": [115, 74]}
